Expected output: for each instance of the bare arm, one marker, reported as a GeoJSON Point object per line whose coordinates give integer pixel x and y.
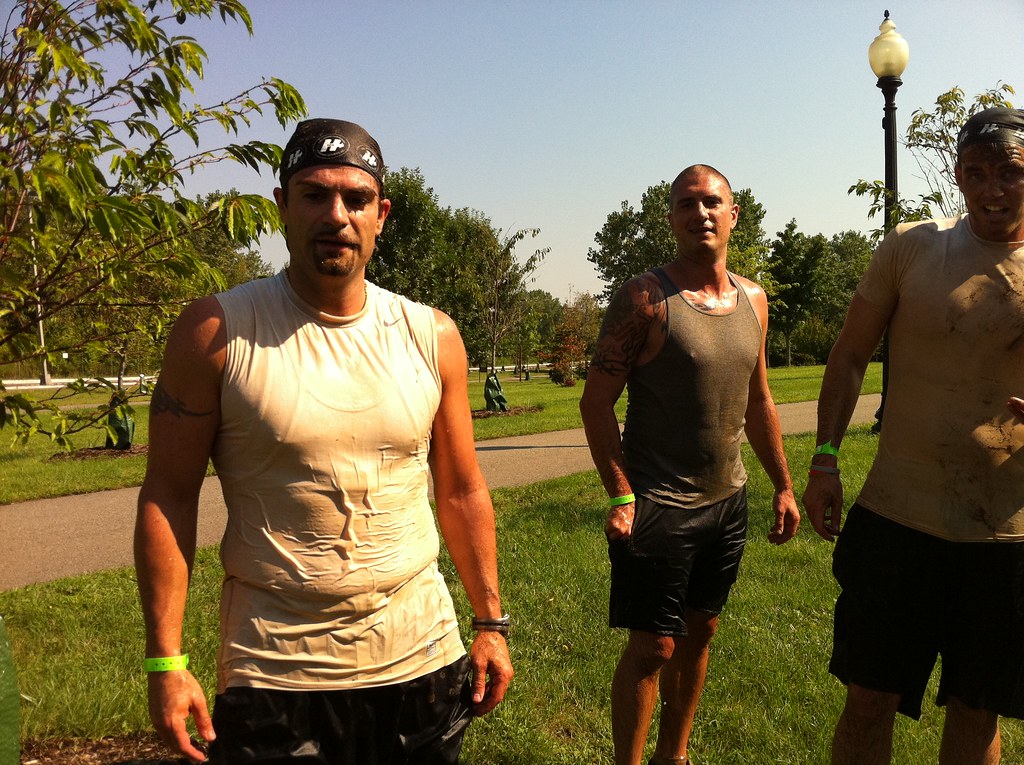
{"type": "Point", "coordinates": [466, 517]}
{"type": "Point", "coordinates": [765, 434]}
{"type": "Point", "coordinates": [635, 313]}
{"type": "Point", "coordinates": [184, 416]}
{"type": "Point", "coordinates": [840, 387]}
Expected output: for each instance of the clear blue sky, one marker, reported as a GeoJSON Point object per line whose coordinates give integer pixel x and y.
{"type": "Point", "coordinates": [549, 114]}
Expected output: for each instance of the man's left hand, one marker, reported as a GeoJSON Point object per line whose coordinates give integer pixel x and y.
{"type": "Point", "coordinates": [787, 517]}
{"type": "Point", "coordinates": [492, 671]}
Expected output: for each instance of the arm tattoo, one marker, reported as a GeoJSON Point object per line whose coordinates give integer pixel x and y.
{"type": "Point", "coordinates": [624, 332]}
{"type": "Point", "coordinates": [162, 401]}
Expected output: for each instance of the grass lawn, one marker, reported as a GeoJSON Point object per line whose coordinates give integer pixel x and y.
{"type": "Point", "coordinates": [768, 698]}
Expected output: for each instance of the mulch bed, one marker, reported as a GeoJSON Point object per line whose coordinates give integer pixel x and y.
{"type": "Point", "coordinates": [94, 452]}
{"type": "Point", "coordinates": [479, 414]}
{"type": "Point", "coordinates": [133, 749]}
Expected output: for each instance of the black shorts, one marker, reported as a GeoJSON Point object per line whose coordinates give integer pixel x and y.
{"type": "Point", "coordinates": [676, 559]}
{"type": "Point", "coordinates": [419, 722]}
{"type": "Point", "coordinates": [908, 597]}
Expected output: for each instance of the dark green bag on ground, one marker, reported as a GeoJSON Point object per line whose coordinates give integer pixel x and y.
{"type": "Point", "coordinates": [494, 396]}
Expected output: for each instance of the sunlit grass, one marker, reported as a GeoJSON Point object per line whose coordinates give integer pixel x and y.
{"type": "Point", "coordinates": [769, 699]}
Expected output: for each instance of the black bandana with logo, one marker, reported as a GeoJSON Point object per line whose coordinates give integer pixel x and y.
{"type": "Point", "coordinates": [331, 142]}
{"type": "Point", "coordinates": [995, 125]}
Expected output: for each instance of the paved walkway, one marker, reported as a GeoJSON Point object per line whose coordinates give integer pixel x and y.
{"type": "Point", "coordinates": [48, 539]}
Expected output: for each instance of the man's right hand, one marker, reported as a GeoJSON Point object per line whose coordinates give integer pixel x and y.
{"type": "Point", "coordinates": [174, 697]}
{"type": "Point", "coordinates": [823, 500]}
{"type": "Point", "coordinates": [619, 523]}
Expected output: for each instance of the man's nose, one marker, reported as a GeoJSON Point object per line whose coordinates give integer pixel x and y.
{"type": "Point", "coordinates": [994, 185]}
{"type": "Point", "coordinates": [337, 211]}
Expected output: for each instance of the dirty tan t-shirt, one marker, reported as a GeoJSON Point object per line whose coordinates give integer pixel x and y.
{"type": "Point", "coordinates": [330, 551]}
{"type": "Point", "coordinates": [949, 458]}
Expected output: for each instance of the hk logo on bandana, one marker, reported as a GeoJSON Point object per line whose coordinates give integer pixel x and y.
{"type": "Point", "coordinates": [332, 146]}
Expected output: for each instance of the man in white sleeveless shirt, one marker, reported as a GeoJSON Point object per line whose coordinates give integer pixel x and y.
{"type": "Point", "coordinates": [323, 401]}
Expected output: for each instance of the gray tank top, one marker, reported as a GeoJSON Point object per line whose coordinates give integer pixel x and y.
{"type": "Point", "coordinates": [686, 407]}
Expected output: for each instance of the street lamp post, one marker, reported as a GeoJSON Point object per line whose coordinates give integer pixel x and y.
{"type": "Point", "coordinates": [888, 55]}
{"type": "Point", "coordinates": [44, 372]}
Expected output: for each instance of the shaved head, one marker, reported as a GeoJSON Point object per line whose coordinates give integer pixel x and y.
{"type": "Point", "coordinates": [695, 171]}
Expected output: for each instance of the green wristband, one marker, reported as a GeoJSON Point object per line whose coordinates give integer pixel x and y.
{"type": "Point", "coordinates": [623, 500]}
{"type": "Point", "coordinates": [827, 448]}
{"type": "Point", "coordinates": [166, 663]}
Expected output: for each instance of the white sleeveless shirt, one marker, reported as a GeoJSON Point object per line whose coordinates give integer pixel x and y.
{"type": "Point", "coordinates": [330, 551]}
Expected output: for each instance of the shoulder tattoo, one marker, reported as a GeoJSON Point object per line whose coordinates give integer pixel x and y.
{"type": "Point", "coordinates": [162, 401]}
{"type": "Point", "coordinates": [627, 324]}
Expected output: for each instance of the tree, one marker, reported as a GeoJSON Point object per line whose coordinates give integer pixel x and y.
{"type": "Point", "coordinates": [540, 314]}
{"type": "Point", "coordinates": [795, 261]}
{"type": "Point", "coordinates": [144, 312]}
{"type": "Point", "coordinates": [548, 312]}
{"type": "Point", "coordinates": [632, 242]}
{"type": "Point", "coordinates": [441, 257]}
{"type": "Point", "coordinates": [235, 262]}
{"type": "Point", "coordinates": [818, 277]}
{"type": "Point", "coordinates": [502, 285]}
{"type": "Point", "coordinates": [91, 176]}
{"type": "Point", "coordinates": [835, 280]}
{"type": "Point", "coordinates": [749, 249]}
{"type": "Point", "coordinates": [574, 339]}
{"type": "Point", "coordinates": [467, 234]}
{"type": "Point", "coordinates": [413, 242]}
{"type": "Point", "coordinates": [931, 139]}
{"type": "Point", "coordinates": [458, 262]}
{"type": "Point", "coordinates": [838, 274]}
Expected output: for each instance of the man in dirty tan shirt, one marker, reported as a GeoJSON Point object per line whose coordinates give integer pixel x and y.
{"type": "Point", "coordinates": [930, 560]}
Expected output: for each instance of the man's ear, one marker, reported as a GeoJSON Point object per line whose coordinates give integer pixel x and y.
{"type": "Point", "coordinates": [383, 211]}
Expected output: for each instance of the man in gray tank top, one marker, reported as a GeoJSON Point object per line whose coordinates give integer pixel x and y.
{"type": "Point", "coordinates": [689, 341]}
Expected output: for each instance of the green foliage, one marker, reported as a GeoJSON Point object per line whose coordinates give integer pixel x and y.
{"type": "Point", "coordinates": [91, 176]}
{"type": "Point", "coordinates": [816, 280]}
{"type": "Point", "coordinates": [536, 327]}
{"type": "Point", "coordinates": [548, 312]}
{"type": "Point", "coordinates": [574, 339]}
{"type": "Point", "coordinates": [749, 250]}
{"type": "Point", "coordinates": [413, 246]}
{"type": "Point", "coordinates": [502, 285]}
{"type": "Point", "coordinates": [468, 234]}
{"type": "Point", "coordinates": [842, 266]}
{"type": "Point", "coordinates": [931, 139]}
{"type": "Point", "coordinates": [795, 261]}
{"type": "Point", "coordinates": [458, 262]}
{"type": "Point", "coordinates": [632, 242]}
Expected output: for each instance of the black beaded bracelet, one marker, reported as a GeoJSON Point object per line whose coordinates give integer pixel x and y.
{"type": "Point", "coordinates": [501, 626]}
